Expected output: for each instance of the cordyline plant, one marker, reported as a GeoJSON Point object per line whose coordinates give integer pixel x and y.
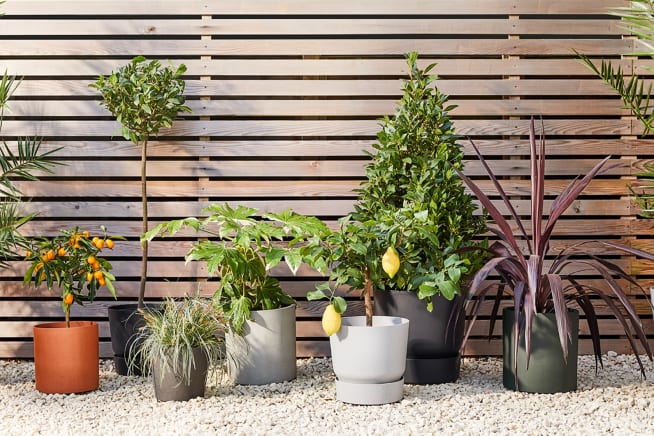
{"type": "Point", "coordinates": [144, 96]}
{"type": "Point", "coordinates": [537, 288]}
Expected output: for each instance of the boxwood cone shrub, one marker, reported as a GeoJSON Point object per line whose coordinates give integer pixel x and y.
{"type": "Point", "coordinates": [412, 205]}
{"type": "Point", "coordinates": [144, 96]}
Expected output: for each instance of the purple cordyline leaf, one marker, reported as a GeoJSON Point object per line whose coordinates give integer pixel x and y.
{"type": "Point", "coordinates": [490, 207]}
{"type": "Point", "coordinates": [529, 312]}
{"type": "Point", "coordinates": [570, 194]}
{"type": "Point", "coordinates": [634, 251]}
{"type": "Point", "coordinates": [637, 327]}
{"type": "Point", "coordinates": [560, 312]}
{"type": "Point", "coordinates": [537, 160]}
{"type": "Point", "coordinates": [518, 292]}
{"type": "Point", "coordinates": [476, 308]}
{"type": "Point", "coordinates": [483, 272]}
{"type": "Point", "coordinates": [587, 308]}
{"type": "Point", "coordinates": [495, 309]}
{"type": "Point", "coordinates": [534, 277]}
{"type": "Point", "coordinates": [598, 265]}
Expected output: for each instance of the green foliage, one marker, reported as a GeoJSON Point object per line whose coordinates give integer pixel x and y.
{"type": "Point", "coordinates": [173, 330]}
{"type": "Point", "coordinates": [413, 200]}
{"type": "Point", "coordinates": [64, 261]}
{"type": "Point", "coordinates": [143, 96]}
{"type": "Point", "coordinates": [638, 18]}
{"type": "Point", "coordinates": [20, 164]}
{"type": "Point", "coordinates": [636, 92]}
{"type": "Point", "coordinates": [244, 249]}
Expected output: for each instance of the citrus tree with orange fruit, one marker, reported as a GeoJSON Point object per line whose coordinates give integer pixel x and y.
{"type": "Point", "coordinates": [73, 262]}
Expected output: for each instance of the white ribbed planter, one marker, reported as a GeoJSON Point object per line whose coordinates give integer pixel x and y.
{"type": "Point", "coordinates": [369, 362]}
{"type": "Point", "coordinates": [266, 352]}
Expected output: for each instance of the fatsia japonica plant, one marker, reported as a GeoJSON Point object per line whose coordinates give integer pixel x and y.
{"type": "Point", "coordinates": [242, 250]}
{"type": "Point", "coordinates": [145, 97]}
{"type": "Point", "coordinates": [413, 227]}
{"type": "Point", "coordinates": [541, 281]}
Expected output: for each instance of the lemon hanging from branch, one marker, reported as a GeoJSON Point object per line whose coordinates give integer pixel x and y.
{"type": "Point", "coordinates": [391, 262]}
{"type": "Point", "coordinates": [331, 320]}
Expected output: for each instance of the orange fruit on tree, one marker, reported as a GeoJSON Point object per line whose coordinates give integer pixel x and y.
{"type": "Point", "coordinates": [89, 276]}
{"type": "Point", "coordinates": [28, 253]}
{"type": "Point", "coordinates": [99, 275]}
{"type": "Point", "coordinates": [68, 299]}
{"type": "Point", "coordinates": [102, 281]}
{"type": "Point", "coordinates": [85, 234]}
{"type": "Point", "coordinates": [61, 252]}
{"type": "Point", "coordinates": [96, 266]}
{"type": "Point", "coordinates": [99, 244]}
{"type": "Point", "coordinates": [110, 244]}
{"type": "Point", "coordinates": [91, 260]}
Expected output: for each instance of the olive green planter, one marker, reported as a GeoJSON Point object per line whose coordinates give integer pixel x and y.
{"type": "Point", "coordinates": [548, 372]}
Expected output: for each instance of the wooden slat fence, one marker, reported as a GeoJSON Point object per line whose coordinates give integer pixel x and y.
{"type": "Point", "coordinates": [286, 96]}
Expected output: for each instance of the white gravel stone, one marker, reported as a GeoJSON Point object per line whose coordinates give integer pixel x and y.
{"type": "Point", "coordinates": [615, 401]}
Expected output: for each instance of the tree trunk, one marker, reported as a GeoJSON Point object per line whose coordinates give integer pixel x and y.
{"type": "Point", "coordinates": [144, 227]}
{"type": "Point", "coordinates": [367, 298]}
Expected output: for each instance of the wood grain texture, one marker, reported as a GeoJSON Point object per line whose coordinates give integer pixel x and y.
{"type": "Point", "coordinates": [286, 98]}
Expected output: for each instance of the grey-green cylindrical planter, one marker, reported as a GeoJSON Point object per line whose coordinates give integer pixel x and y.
{"type": "Point", "coordinates": [169, 386]}
{"type": "Point", "coordinates": [266, 351]}
{"type": "Point", "coordinates": [548, 372]}
{"type": "Point", "coordinates": [369, 362]}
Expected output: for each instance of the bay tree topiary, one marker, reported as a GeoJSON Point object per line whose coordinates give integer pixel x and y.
{"type": "Point", "coordinates": [413, 227]}
{"type": "Point", "coordinates": [145, 97]}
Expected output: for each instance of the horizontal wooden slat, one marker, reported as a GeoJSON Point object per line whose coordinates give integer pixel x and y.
{"type": "Point", "coordinates": [324, 107]}
{"type": "Point", "coordinates": [290, 26]}
{"type": "Point", "coordinates": [300, 7]}
{"type": "Point", "coordinates": [289, 128]}
{"type": "Point", "coordinates": [551, 67]}
{"type": "Point", "coordinates": [333, 47]}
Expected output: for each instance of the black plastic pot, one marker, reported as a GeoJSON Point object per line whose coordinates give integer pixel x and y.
{"type": "Point", "coordinates": [171, 387]}
{"type": "Point", "coordinates": [548, 372]}
{"type": "Point", "coordinates": [124, 324]}
{"type": "Point", "coordinates": [435, 337]}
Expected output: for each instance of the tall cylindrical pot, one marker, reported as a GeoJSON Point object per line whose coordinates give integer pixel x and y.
{"type": "Point", "coordinates": [266, 353]}
{"type": "Point", "coordinates": [548, 371]}
{"type": "Point", "coordinates": [66, 359]}
{"type": "Point", "coordinates": [124, 323]}
{"type": "Point", "coordinates": [369, 362]}
{"type": "Point", "coordinates": [435, 337]}
{"type": "Point", "coordinates": [169, 386]}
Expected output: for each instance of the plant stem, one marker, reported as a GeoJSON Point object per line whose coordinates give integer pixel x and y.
{"type": "Point", "coordinates": [144, 207]}
{"type": "Point", "coordinates": [67, 313]}
{"type": "Point", "coordinates": [367, 298]}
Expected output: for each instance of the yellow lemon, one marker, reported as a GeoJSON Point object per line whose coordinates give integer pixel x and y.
{"type": "Point", "coordinates": [331, 320]}
{"type": "Point", "coordinates": [390, 262]}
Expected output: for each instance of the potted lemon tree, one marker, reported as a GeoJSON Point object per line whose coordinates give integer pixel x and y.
{"type": "Point", "coordinates": [241, 251]}
{"type": "Point", "coordinates": [411, 236]}
{"type": "Point", "coordinates": [66, 354]}
{"type": "Point", "coordinates": [145, 97]}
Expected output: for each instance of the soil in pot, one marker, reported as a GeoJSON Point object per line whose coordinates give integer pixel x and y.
{"type": "Point", "coordinates": [66, 360]}
{"type": "Point", "coordinates": [435, 337]}
{"type": "Point", "coordinates": [548, 372]}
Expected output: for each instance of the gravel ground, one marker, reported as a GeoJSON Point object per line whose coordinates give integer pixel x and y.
{"type": "Point", "coordinates": [616, 401]}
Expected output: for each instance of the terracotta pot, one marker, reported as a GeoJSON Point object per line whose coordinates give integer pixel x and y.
{"type": "Point", "coordinates": [66, 360]}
